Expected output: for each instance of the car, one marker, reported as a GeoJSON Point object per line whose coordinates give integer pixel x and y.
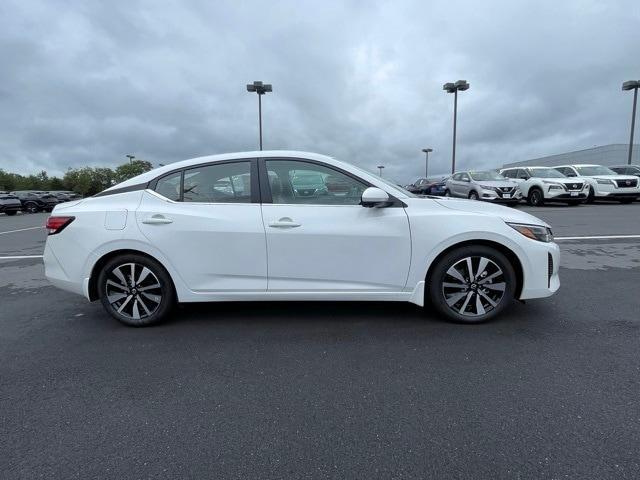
{"type": "Point", "coordinates": [35, 201]}
{"type": "Point", "coordinates": [428, 186]}
{"type": "Point", "coordinates": [627, 170]}
{"type": "Point", "coordinates": [544, 184]}
{"type": "Point", "coordinates": [9, 204]}
{"type": "Point", "coordinates": [170, 235]}
{"type": "Point", "coordinates": [67, 195]}
{"type": "Point", "coordinates": [486, 185]}
{"type": "Point", "coordinates": [604, 183]}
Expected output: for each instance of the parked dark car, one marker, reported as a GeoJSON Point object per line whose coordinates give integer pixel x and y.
{"type": "Point", "coordinates": [428, 186]}
{"type": "Point", "coordinates": [9, 204]}
{"type": "Point", "coordinates": [65, 195]}
{"type": "Point", "coordinates": [33, 201]}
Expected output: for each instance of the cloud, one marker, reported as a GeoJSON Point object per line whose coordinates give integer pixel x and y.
{"type": "Point", "coordinates": [85, 83]}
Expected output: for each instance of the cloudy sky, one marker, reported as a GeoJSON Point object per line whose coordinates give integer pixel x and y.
{"type": "Point", "coordinates": [84, 83]}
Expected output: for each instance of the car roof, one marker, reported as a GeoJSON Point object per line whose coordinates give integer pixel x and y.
{"type": "Point", "coordinates": [157, 172]}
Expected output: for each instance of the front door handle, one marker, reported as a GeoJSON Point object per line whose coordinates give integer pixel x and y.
{"type": "Point", "coordinates": [284, 222]}
{"type": "Point", "coordinates": [157, 219]}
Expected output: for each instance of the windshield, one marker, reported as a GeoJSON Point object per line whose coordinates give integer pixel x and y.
{"type": "Point", "coordinates": [546, 173]}
{"type": "Point", "coordinates": [486, 176]}
{"type": "Point", "coordinates": [595, 170]}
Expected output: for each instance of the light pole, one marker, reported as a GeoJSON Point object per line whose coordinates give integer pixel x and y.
{"type": "Point", "coordinates": [260, 89]}
{"type": "Point", "coordinates": [426, 165]}
{"type": "Point", "coordinates": [460, 85]}
{"type": "Point", "coordinates": [632, 85]}
{"type": "Point", "coordinates": [380, 167]}
{"type": "Point", "coordinates": [130, 157]}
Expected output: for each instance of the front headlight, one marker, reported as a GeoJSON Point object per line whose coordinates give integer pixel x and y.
{"type": "Point", "coordinates": [534, 232]}
{"type": "Point", "coordinates": [604, 181]}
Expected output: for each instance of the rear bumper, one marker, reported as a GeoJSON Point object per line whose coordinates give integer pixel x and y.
{"type": "Point", "coordinates": [58, 276]}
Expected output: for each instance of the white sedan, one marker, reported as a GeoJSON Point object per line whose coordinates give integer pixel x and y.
{"type": "Point", "coordinates": [284, 225]}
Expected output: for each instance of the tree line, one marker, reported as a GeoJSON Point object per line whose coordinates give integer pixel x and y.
{"type": "Point", "coordinates": [85, 181]}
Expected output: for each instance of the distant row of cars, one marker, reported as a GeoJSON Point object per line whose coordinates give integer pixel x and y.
{"type": "Point", "coordinates": [570, 184]}
{"type": "Point", "coordinates": [33, 201]}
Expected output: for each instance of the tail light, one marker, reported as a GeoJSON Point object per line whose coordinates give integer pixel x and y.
{"type": "Point", "coordinates": [57, 224]}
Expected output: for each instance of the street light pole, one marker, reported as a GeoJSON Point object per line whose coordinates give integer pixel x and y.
{"type": "Point", "coordinates": [130, 157]}
{"type": "Point", "coordinates": [426, 165]}
{"type": "Point", "coordinates": [259, 88]}
{"type": "Point", "coordinates": [461, 85]}
{"type": "Point", "coordinates": [632, 85]}
{"type": "Point", "coordinates": [380, 167]}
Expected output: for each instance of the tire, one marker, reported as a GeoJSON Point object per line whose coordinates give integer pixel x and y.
{"type": "Point", "coordinates": [590, 196]}
{"type": "Point", "coordinates": [447, 193]}
{"type": "Point", "coordinates": [459, 304]}
{"type": "Point", "coordinates": [473, 195]}
{"type": "Point", "coordinates": [11, 213]}
{"type": "Point", "coordinates": [536, 197]}
{"type": "Point", "coordinates": [574, 203]}
{"type": "Point", "coordinates": [626, 200]}
{"type": "Point", "coordinates": [137, 308]}
{"type": "Point", "coordinates": [31, 207]}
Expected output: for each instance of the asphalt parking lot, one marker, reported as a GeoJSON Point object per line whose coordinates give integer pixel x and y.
{"type": "Point", "coordinates": [329, 390]}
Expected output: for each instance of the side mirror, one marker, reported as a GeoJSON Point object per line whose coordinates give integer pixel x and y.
{"type": "Point", "coordinates": [374, 197]}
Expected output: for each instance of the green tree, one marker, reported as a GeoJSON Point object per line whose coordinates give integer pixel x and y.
{"type": "Point", "coordinates": [129, 170]}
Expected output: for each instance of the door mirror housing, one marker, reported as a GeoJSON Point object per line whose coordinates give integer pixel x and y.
{"type": "Point", "coordinates": [374, 197]}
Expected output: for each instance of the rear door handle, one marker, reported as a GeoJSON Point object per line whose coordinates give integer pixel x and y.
{"type": "Point", "coordinates": [157, 219]}
{"type": "Point", "coordinates": [284, 222]}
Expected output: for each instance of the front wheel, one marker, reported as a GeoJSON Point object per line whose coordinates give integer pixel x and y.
{"type": "Point", "coordinates": [32, 207]}
{"type": "Point", "coordinates": [536, 198]}
{"type": "Point", "coordinates": [472, 284]}
{"type": "Point", "coordinates": [473, 196]}
{"type": "Point", "coordinates": [626, 200]}
{"type": "Point", "coordinates": [447, 193]}
{"type": "Point", "coordinates": [136, 290]}
{"type": "Point", "coordinates": [11, 213]}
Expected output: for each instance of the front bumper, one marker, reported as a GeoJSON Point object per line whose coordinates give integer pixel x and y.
{"type": "Point", "coordinates": [541, 278]}
{"type": "Point", "coordinates": [566, 196]}
{"type": "Point", "coordinates": [11, 208]}
{"type": "Point", "coordinates": [492, 196]}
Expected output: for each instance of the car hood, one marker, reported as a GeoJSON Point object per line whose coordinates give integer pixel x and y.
{"type": "Point", "coordinates": [497, 183]}
{"type": "Point", "coordinates": [508, 214]}
{"type": "Point", "coordinates": [615, 177]}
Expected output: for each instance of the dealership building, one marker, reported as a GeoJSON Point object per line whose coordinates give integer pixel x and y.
{"type": "Point", "coordinates": [614, 154]}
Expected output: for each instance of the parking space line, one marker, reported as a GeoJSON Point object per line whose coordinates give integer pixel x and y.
{"type": "Point", "coordinates": [600, 237]}
{"type": "Point", "coordinates": [20, 257]}
{"type": "Point", "coordinates": [20, 230]}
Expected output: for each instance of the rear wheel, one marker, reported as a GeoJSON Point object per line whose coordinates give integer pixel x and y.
{"type": "Point", "coordinates": [536, 197]}
{"type": "Point", "coordinates": [472, 284]}
{"type": "Point", "coordinates": [31, 207]}
{"type": "Point", "coordinates": [136, 290]}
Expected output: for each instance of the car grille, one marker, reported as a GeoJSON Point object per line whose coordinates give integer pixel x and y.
{"type": "Point", "coordinates": [549, 269]}
{"type": "Point", "coordinates": [627, 183]}
{"type": "Point", "coordinates": [508, 190]}
{"type": "Point", "coordinates": [574, 186]}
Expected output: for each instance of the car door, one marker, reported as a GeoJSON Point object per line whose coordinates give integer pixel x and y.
{"type": "Point", "coordinates": [454, 184]}
{"type": "Point", "coordinates": [325, 240]}
{"type": "Point", "coordinates": [464, 185]}
{"type": "Point", "coordinates": [206, 220]}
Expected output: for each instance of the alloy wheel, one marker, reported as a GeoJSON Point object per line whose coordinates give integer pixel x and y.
{"type": "Point", "coordinates": [473, 286]}
{"type": "Point", "coordinates": [133, 291]}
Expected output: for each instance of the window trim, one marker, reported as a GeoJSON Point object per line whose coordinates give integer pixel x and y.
{"type": "Point", "coordinates": [265, 186]}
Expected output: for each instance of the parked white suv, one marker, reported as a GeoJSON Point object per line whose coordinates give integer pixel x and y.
{"type": "Point", "coordinates": [544, 184]}
{"type": "Point", "coordinates": [604, 183]}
